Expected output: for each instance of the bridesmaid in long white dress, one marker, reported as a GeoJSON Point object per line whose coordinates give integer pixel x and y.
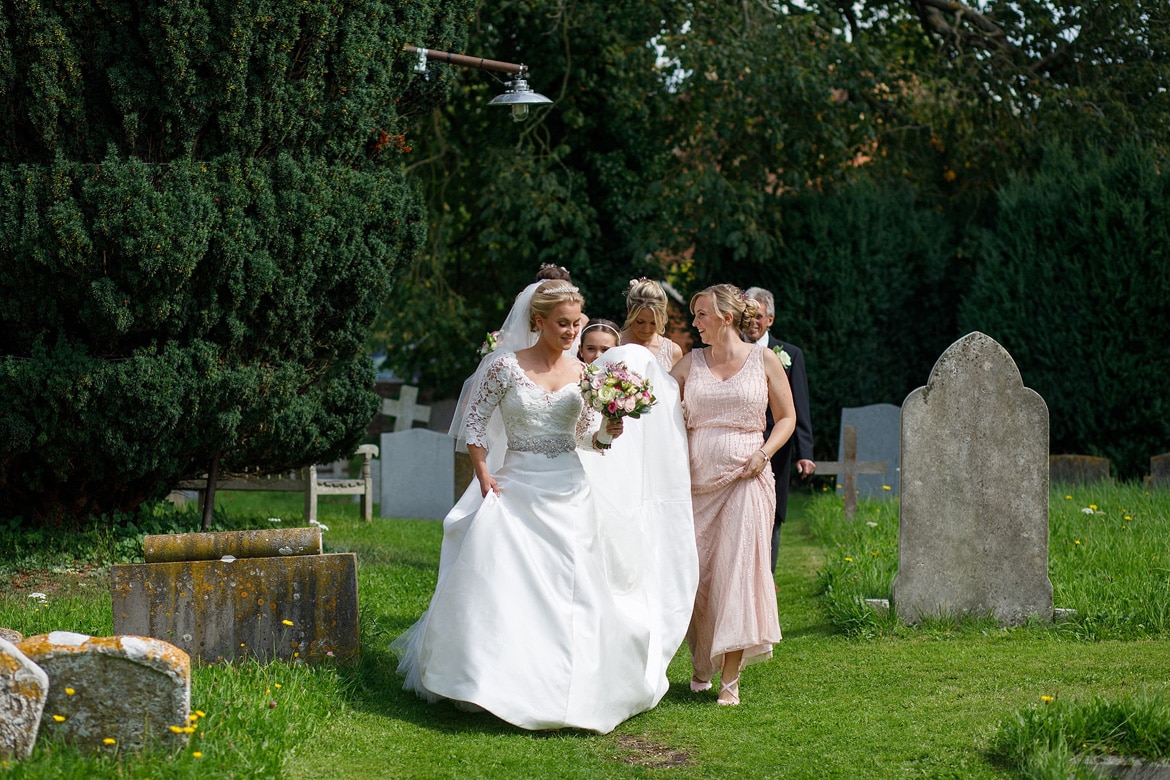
{"type": "Point", "coordinates": [527, 620]}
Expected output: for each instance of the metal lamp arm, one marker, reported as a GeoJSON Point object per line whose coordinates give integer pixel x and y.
{"type": "Point", "coordinates": [470, 62]}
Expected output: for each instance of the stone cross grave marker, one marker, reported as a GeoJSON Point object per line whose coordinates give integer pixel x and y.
{"type": "Point", "coordinates": [267, 594]}
{"type": "Point", "coordinates": [418, 474]}
{"type": "Point", "coordinates": [973, 522]}
{"type": "Point", "coordinates": [129, 689]}
{"type": "Point", "coordinates": [879, 434]}
{"type": "Point", "coordinates": [849, 467]}
{"type": "Point", "coordinates": [405, 409]}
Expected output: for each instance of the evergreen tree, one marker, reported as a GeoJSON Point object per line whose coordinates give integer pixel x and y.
{"type": "Point", "coordinates": [205, 202]}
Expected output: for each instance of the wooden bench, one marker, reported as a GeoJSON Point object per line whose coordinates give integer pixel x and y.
{"type": "Point", "coordinates": [307, 481]}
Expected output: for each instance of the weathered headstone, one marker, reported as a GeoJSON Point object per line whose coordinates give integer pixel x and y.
{"type": "Point", "coordinates": [24, 686]}
{"type": "Point", "coordinates": [879, 435]}
{"type": "Point", "coordinates": [405, 409]}
{"type": "Point", "coordinates": [261, 594]}
{"type": "Point", "coordinates": [1160, 471]}
{"type": "Point", "coordinates": [129, 689]}
{"type": "Point", "coordinates": [973, 525]}
{"type": "Point", "coordinates": [1077, 469]}
{"type": "Point", "coordinates": [848, 468]}
{"type": "Point", "coordinates": [418, 474]}
{"type": "Point", "coordinates": [10, 635]}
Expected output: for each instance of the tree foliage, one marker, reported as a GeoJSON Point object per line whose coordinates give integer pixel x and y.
{"type": "Point", "coordinates": [206, 203]}
{"type": "Point", "coordinates": [1075, 283]}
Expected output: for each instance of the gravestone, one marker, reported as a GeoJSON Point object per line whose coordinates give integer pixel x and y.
{"type": "Point", "coordinates": [267, 594]}
{"type": "Point", "coordinates": [1160, 471]}
{"type": "Point", "coordinates": [10, 634]}
{"type": "Point", "coordinates": [405, 409]}
{"type": "Point", "coordinates": [24, 686]}
{"type": "Point", "coordinates": [1077, 469]}
{"type": "Point", "coordinates": [973, 525]}
{"type": "Point", "coordinates": [129, 689]}
{"type": "Point", "coordinates": [848, 469]}
{"type": "Point", "coordinates": [879, 435]}
{"type": "Point", "coordinates": [418, 474]}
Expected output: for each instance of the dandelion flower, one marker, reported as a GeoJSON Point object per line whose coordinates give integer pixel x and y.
{"type": "Point", "coordinates": [287, 622]}
{"type": "Point", "coordinates": [201, 713]}
{"type": "Point", "coordinates": [276, 685]}
{"type": "Point", "coordinates": [192, 717]}
{"type": "Point", "coordinates": [176, 729]}
{"type": "Point", "coordinates": [1093, 507]}
{"type": "Point", "coordinates": [1078, 541]}
{"type": "Point", "coordinates": [196, 754]}
{"type": "Point", "coordinates": [188, 729]}
{"type": "Point", "coordinates": [848, 560]}
{"type": "Point", "coordinates": [109, 741]}
{"type": "Point", "coordinates": [886, 487]}
{"type": "Point", "coordinates": [1047, 699]}
{"type": "Point", "coordinates": [59, 718]}
{"type": "Point", "coordinates": [1068, 498]}
{"type": "Point", "coordinates": [69, 691]}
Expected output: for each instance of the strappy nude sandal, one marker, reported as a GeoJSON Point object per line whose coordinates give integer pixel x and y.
{"type": "Point", "coordinates": [698, 686]}
{"type": "Point", "coordinates": [732, 690]}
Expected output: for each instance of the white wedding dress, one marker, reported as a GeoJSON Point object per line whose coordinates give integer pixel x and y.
{"type": "Point", "coordinates": [550, 609]}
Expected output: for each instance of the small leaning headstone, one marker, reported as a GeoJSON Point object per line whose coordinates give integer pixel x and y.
{"type": "Point", "coordinates": [123, 691]}
{"type": "Point", "coordinates": [24, 686]}
{"type": "Point", "coordinates": [973, 522]}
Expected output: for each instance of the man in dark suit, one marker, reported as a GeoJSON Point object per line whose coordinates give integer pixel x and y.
{"type": "Point", "coordinates": [801, 441]}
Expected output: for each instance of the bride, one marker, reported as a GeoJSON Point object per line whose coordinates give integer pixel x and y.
{"type": "Point", "coordinates": [548, 612]}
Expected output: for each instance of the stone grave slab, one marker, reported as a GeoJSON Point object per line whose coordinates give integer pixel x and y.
{"type": "Point", "coordinates": [418, 474]}
{"type": "Point", "coordinates": [266, 594]}
{"type": "Point", "coordinates": [1077, 469]}
{"type": "Point", "coordinates": [130, 689]}
{"type": "Point", "coordinates": [973, 526]}
{"type": "Point", "coordinates": [1160, 471]}
{"type": "Point", "coordinates": [879, 439]}
{"type": "Point", "coordinates": [24, 687]}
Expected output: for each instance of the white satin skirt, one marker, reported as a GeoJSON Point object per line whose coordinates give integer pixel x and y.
{"type": "Point", "coordinates": [538, 617]}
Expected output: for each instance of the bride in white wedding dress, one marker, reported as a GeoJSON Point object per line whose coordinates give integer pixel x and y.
{"type": "Point", "coordinates": [549, 610]}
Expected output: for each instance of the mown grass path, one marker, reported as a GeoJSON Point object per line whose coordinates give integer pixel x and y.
{"type": "Point", "coordinates": [824, 706]}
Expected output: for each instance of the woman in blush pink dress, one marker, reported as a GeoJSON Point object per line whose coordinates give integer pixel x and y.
{"type": "Point", "coordinates": [726, 387]}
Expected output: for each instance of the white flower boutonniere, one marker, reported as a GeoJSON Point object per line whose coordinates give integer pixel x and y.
{"type": "Point", "coordinates": [785, 358]}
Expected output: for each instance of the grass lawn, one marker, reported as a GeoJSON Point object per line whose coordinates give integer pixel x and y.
{"type": "Point", "coordinates": [883, 701]}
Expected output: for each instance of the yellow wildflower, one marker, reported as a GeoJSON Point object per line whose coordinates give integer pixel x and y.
{"type": "Point", "coordinates": [176, 729]}
{"type": "Point", "coordinates": [848, 560]}
{"type": "Point", "coordinates": [1047, 699]}
{"type": "Point", "coordinates": [287, 622]}
{"type": "Point", "coordinates": [196, 754]}
{"type": "Point", "coordinates": [59, 718]}
{"type": "Point", "coordinates": [69, 691]}
{"type": "Point", "coordinates": [109, 741]}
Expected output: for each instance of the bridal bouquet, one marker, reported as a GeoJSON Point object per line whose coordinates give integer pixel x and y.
{"type": "Point", "coordinates": [616, 391]}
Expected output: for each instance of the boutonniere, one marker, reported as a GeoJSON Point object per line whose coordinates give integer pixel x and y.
{"type": "Point", "coordinates": [785, 358]}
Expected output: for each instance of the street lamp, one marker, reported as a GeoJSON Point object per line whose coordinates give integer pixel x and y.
{"type": "Point", "coordinates": [517, 94]}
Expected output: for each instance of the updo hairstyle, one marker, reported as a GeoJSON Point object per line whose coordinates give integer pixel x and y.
{"type": "Point", "coordinates": [548, 296]}
{"type": "Point", "coordinates": [729, 299]}
{"type": "Point", "coordinates": [646, 294]}
{"type": "Point", "coordinates": [551, 271]}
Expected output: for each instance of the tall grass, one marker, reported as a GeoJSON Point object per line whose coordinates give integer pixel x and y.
{"type": "Point", "coordinates": [1108, 559]}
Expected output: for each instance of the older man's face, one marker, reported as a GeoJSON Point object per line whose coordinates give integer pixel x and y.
{"type": "Point", "coordinates": [759, 326]}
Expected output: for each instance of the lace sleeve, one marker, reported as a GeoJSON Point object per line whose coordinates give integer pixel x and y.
{"type": "Point", "coordinates": [495, 382]}
{"type": "Point", "coordinates": [588, 421]}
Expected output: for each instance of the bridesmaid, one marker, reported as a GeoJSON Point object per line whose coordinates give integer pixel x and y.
{"type": "Point", "coordinates": [726, 387]}
{"type": "Point", "coordinates": [646, 319]}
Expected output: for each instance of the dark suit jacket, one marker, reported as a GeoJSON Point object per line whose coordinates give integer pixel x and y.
{"type": "Point", "coordinates": [800, 445]}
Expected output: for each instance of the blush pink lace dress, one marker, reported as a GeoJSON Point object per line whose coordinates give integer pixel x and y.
{"type": "Point", "coordinates": [735, 607]}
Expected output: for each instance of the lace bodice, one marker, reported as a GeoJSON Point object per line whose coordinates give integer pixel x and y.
{"type": "Point", "coordinates": [535, 419]}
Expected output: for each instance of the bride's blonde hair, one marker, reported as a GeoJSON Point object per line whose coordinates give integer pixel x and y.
{"type": "Point", "coordinates": [548, 296]}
